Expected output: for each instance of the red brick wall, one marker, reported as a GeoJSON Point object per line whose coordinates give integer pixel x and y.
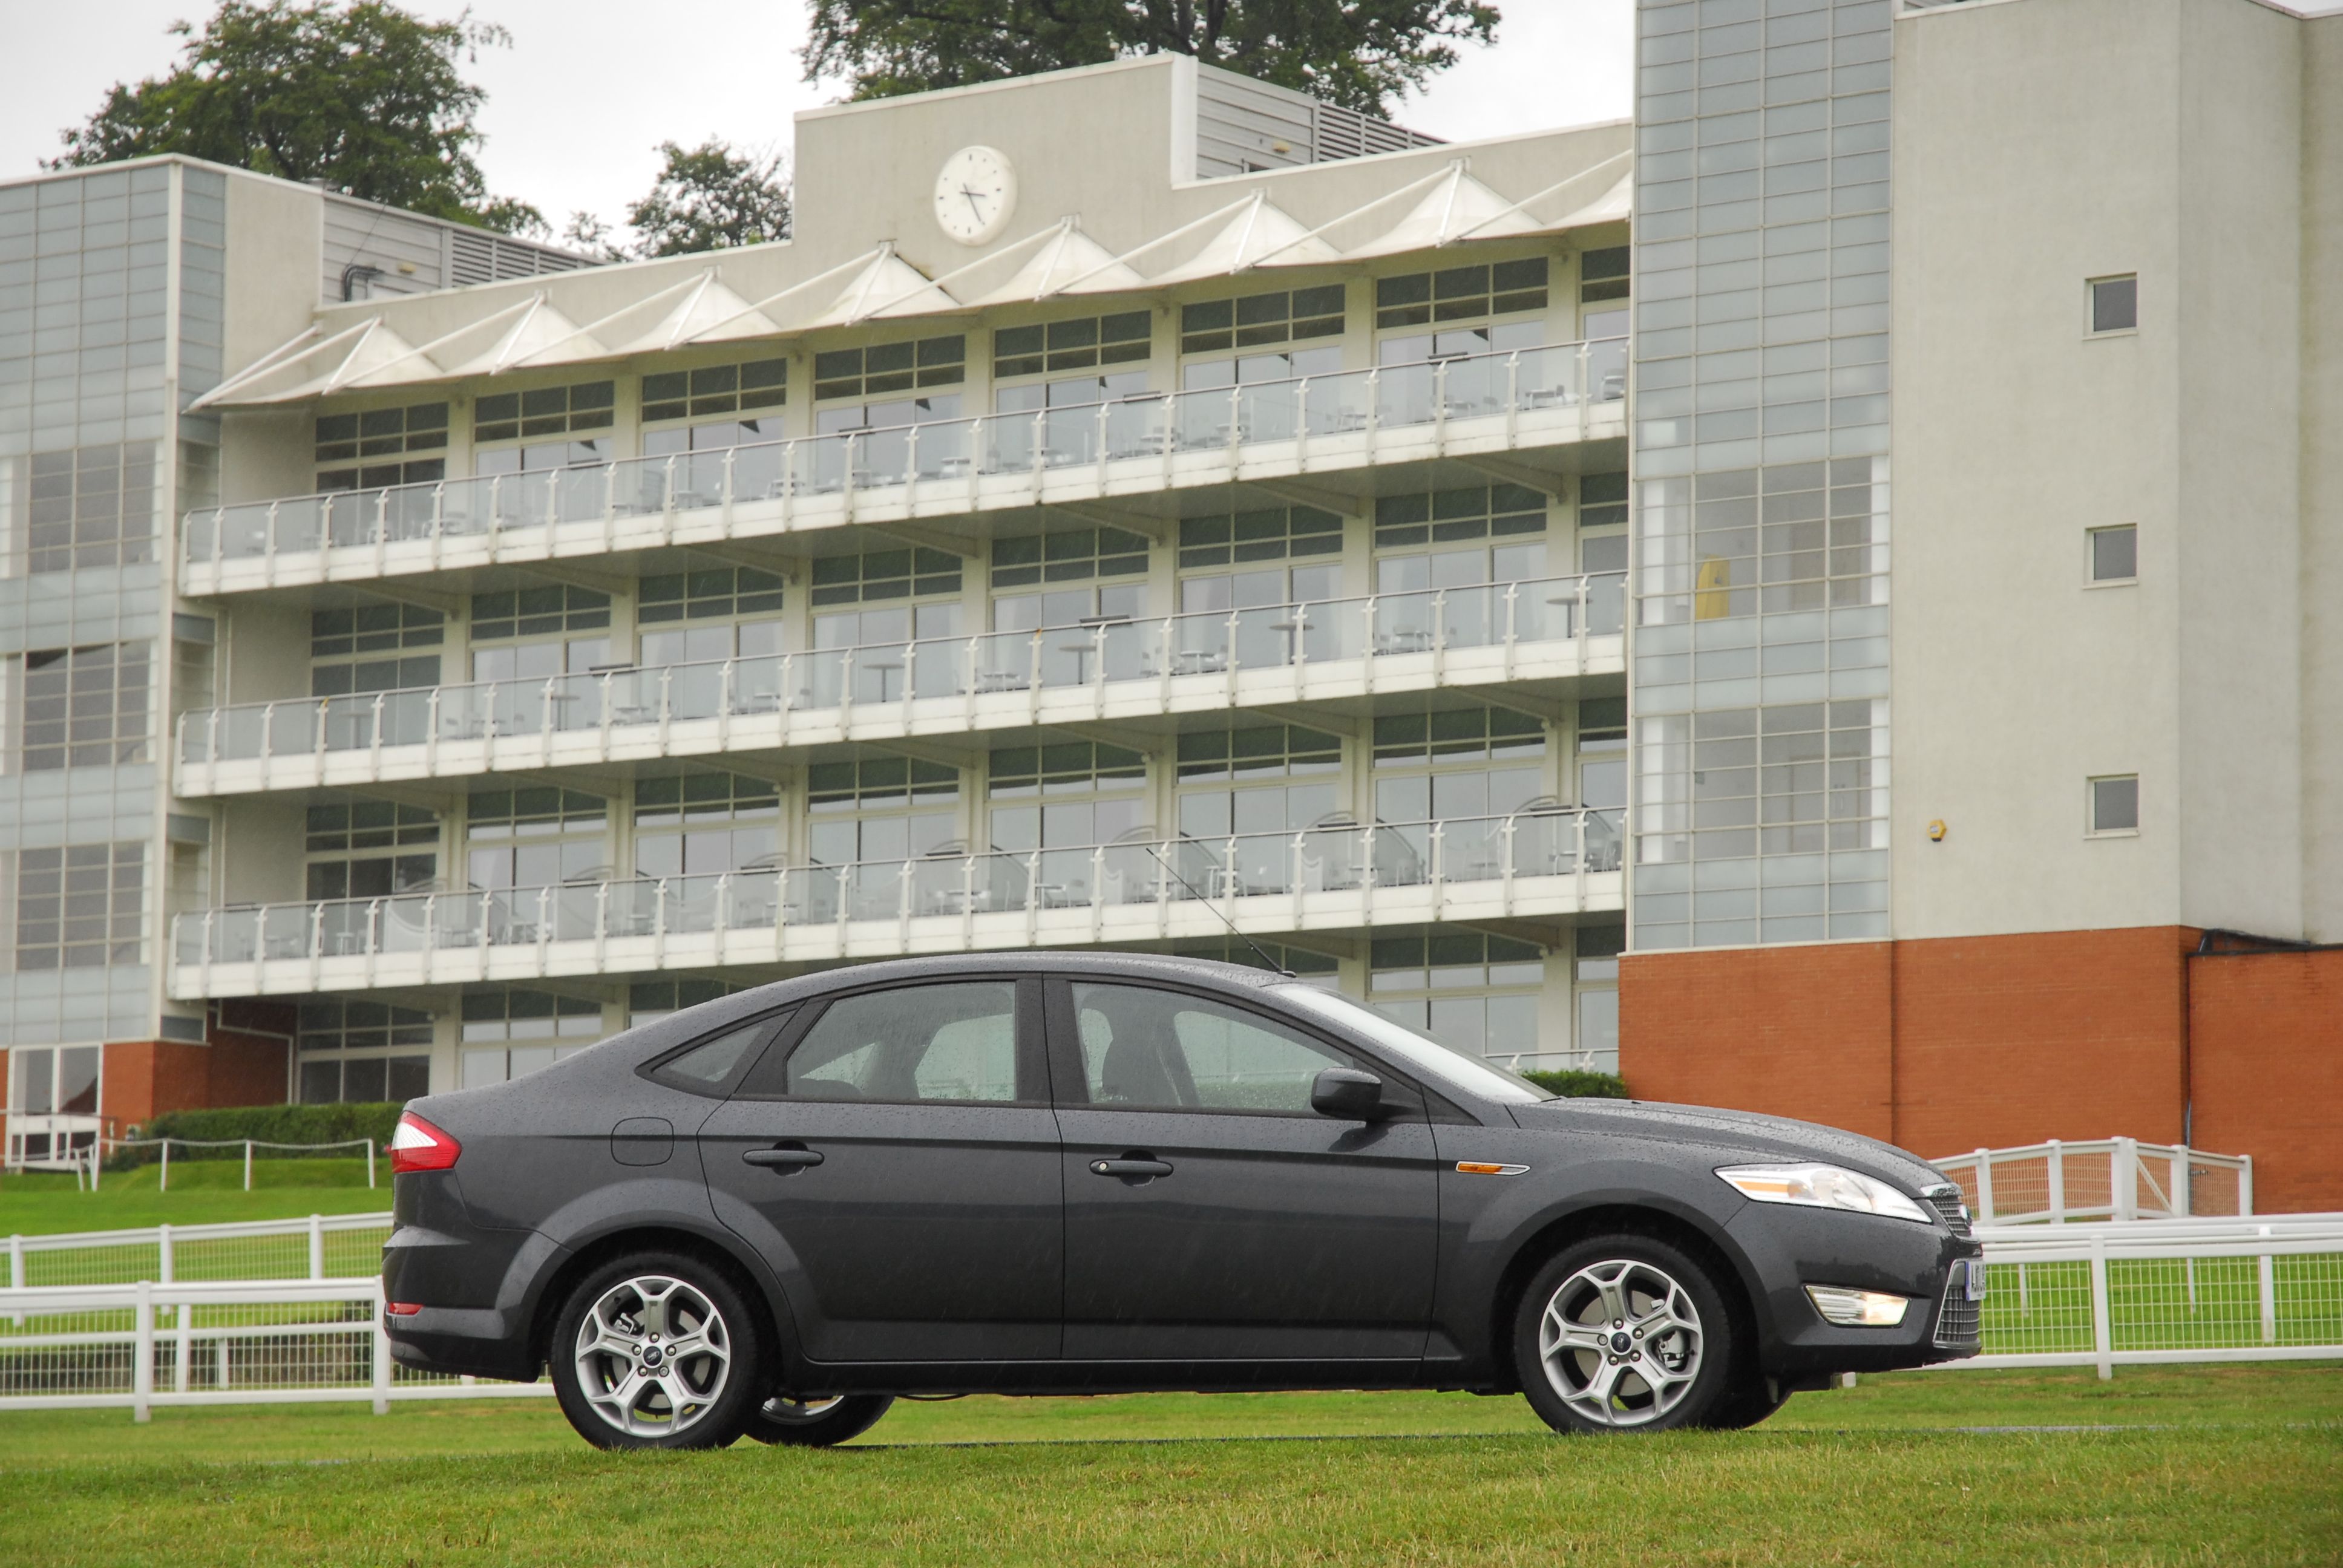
{"type": "Point", "coordinates": [2266, 1044]}
{"type": "Point", "coordinates": [146, 1078]}
{"type": "Point", "coordinates": [1801, 1031]}
{"type": "Point", "coordinates": [2009, 1040]}
{"type": "Point", "coordinates": [1952, 1044]}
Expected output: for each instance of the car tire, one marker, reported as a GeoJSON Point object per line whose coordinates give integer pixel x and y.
{"type": "Point", "coordinates": [615, 1376]}
{"type": "Point", "coordinates": [816, 1423]}
{"type": "Point", "coordinates": [1624, 1333]}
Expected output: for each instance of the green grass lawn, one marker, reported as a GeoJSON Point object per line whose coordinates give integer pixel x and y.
{"type": "Point", "coordinates": [2203, 1466]}
{"type": "Point", "coordinates": [203, 1193]}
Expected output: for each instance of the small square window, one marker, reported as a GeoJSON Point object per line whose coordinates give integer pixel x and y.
{"type": "Point", "coordinates": [2114, 304]}
{"type": "Point", "coordinates": [2114, 804]}
{"type": "Point", "coordinates": [2114, 554]}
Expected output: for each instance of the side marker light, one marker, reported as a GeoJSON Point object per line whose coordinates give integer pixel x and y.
{"type": "Point", "coordinates": [1486, 1168]}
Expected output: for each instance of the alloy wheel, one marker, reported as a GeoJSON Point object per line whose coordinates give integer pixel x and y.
{"type": "Point", "coordinates": [1621, 1342]}
{"type": "Point", "coordinates": [653, 1355]}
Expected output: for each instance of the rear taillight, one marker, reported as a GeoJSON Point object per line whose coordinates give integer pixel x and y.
{"type": "Point", "coordinates": [402, 1309]}
{"type": "Point", "coordinates": [419, 1146]}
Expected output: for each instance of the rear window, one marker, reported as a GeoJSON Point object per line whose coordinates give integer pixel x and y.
{"type": "Point", "coordinates": [711, 1066]}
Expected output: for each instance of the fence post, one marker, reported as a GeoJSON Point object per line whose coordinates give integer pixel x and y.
{"type": "Point", "coordinates": [247, 1164]}
{"type": "Point", "coordinates": [2058, 1183]}
{"type": "Point", "coordinates": [16, 1272]}
{"type": "Point", "coordinates": [142, 1375]}
{"type": "Point", "coordinates": [2268, 1281]}
{"type": "Point", "coordinates": [2102, 1339]}
{"type": "Point", "coordinates": [369, 1164]}
{"type": "Point", "coordinates": [186, 1348]}
{"type": "Point", "coordinates": [381, 1354]}
{"type": "Point", "coordinates": [2123, 1174]}
{"type": "Point", "coordinates": [2245, 1187]}
{"type": "Point", "coordinates": [317, 1246]}
{"type": "Point", "coordinates": [163, 1252]}
{"type": "Point", "coordinates": [163, 1184]}
{"type": "Point", "coordinates": [1985, 1186]}
{"type": "Point", "coordinates": [2181, 1198]}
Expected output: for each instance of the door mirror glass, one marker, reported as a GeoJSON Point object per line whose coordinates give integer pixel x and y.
{"type": "Point", "coordinates": [1347, 1094]}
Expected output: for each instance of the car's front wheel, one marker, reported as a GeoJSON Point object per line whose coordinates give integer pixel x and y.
{"type": "Point", "coordinates": [816, 1422]}
{"type": "Point", "coordinates": [1623, 1332]}
{"type": "Point", "coordinates": [656, 1351]}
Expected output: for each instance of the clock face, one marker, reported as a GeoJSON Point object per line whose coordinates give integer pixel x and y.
{"type": "Point", "coordinates": [975, 194]}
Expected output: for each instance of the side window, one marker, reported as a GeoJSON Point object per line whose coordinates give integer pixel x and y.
{"type": "Point", "coordinates": [1159, 1050]}
{"type": "Point", "coordinates": [707, 1067]}
{"type": "Point", "coordinates": [955, 1042]}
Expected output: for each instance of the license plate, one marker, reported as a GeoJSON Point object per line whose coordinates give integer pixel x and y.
{"type": "Point", "coordinates": [1975, 1289]}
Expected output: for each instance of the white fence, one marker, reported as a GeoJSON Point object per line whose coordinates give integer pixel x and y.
{"type": "Point", "coordinates": [2100, 1295]}
{"type": "Point", "coordinates": [316, 1248]}
{"type": "Point", "coordinates": [2108, 1179]}
{"type": "Point", "coordinates": [87, 1162]}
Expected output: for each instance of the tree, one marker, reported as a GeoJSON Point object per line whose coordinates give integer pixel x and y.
{"type": "Point", "coordinates": [706, 198]}
{"type": "Point", "coordinates": [365, 96]}
{"type": "Point", "coordinates": [1357, 53]}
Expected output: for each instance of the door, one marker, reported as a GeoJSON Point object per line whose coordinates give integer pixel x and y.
{"type": "Point", "coordinates": [1210, 1214]}
{"type": "Point", "coordinates": [896, 1160]}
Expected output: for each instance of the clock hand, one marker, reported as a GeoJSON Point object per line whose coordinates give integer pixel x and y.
{"type": "Point", "coordinates": [972, 205]}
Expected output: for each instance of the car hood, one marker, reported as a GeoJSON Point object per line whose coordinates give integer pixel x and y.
{"type": "Point", "coordinates": [1736, 1131]}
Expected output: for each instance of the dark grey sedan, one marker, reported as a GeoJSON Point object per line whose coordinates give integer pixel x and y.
{"type": "Point", "coordinates": [1051, 1173]}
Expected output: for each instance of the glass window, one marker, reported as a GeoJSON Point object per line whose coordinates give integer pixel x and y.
{"type": "Point", "coordinates": [705, 823]}
{"type": "Point", "coordinates": [1602, 274]}
{"type": "Point", "coordinates": [535, 837]}
{"type": "Point", "coordinates": [373, 449]}
{"type": "Point", "coordinates": [2114, 804]}
{"type": "Point", "coordinates": [548, 411]}
{"type": "Point", "coordinates": [955, 1042]}
{"type": "Point", "coordinates": [865, 373]}
{"type": "Point", "coordinates": [354, 850]}
{"type": "Point", "coordinates": [2114, 304]}
{"type": "Point", "coordinates": [1462, 293]}
{"type": "Point", "coordinates": [1062, 799]}
{"type": "Point", "coordinates": [1057, 572]}
{"type": "Point", "coordinates": [713, 389]}
{"type": "Point", "coordinates": [657, 998]}
{"type": "Point", "coordinates": [367, 647]}
{"type": "Point", "coordinates": [79, 906]}
{"type": "Point", "coordinates": [1144, 1048]}
{"type": "Point", "coordinates": [1473, 993]}
{"type": "Point", "coordinates": [745, 596]}
{"type": "Point", "coordinates": [875, 577]}
{"type": "Point", "coordinates": [542, 615]}
{"type": "Point", "coordinates": [1436, 765]}
{"type": "Point", "coordinates": [93, 507]}
{"type": "Point", "coordinates": [85, 707]}
{"type": "Point", "coordinates": [1256, 319]}
{"type": "Point", "coordinates": [2114, 554]}
{"type": "Point", "coordinates": [880, 809]}
{"type": "Point", "coordinates": [1075, 345]}
{"type": "Point", "coordinates": [510, 1034]}
{"type": "Point", "coordinates": [706, 1068]}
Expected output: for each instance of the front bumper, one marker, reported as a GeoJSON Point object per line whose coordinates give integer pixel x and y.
{"type": "Point", "coordinates": [1790, 1248]}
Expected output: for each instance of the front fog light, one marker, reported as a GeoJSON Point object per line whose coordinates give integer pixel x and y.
{"type": "Point", "coordinates": [1857, 1308]}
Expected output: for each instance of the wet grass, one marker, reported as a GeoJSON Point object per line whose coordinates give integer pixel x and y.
{"type": "Point", "coordinates": [202, 1192]}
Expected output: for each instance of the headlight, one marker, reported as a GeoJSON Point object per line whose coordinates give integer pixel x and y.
{"type": "Point", "coordinates": [1821, 1187]}
{"type": "Point", "coordinates": [1857, 1308]}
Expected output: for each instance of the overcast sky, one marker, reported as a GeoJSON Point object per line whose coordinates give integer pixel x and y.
{"type": "Point", "coordinates": [590, 86]}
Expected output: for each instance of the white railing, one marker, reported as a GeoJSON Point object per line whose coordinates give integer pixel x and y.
{"type": "Point", "coordinates": [1341, 857]}
{"type": "Point", "coordinates": [2106, 1179]}
{"type": "Point", "coordinates": [312, 1248]}
{"type": "Point", "coordinates": [895, 678]}
{"type": "Point", "coordinates": [2260, 1288]}
{"type": "Point", "coordinates": [949, 460]}
{"type": "Point", "coordinates": [89, 1164]}
{"type": "Point", "coordinates": [2269, 1289]}
{"type": "Point", "coordinates": [268, 1342]}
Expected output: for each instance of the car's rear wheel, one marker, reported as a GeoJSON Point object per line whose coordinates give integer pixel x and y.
{"type": "Point", "coordinates": [657, 1350]}
{"type": "Point", "coordinates": [816, 1422]}
{"type": "Point", "coordinates": [1623, 1333]}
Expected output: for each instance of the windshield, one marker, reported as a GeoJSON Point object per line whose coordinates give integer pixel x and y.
{"type": "Point", "coordinates": [1419, 1050]}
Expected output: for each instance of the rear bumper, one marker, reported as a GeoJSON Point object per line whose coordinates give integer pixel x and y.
{"type": "Point", "coordinates": [475, 1287]}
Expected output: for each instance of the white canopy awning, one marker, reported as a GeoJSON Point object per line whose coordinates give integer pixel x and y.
{"type": "Point", "coordinates": [709, 309]}
{"type": "Point", "coordinates": [542, 335]}
{"type": "Point", "coordinates": [1070, 262]}
{"type": "Point", "coordinates": [1260, 234]}
{"type": "Point", "coordinates": [1459, 207]}
{"type": "Point", "coordinates": [1614, 205]}
{"type": "Point", "coordinates": [889, 286]}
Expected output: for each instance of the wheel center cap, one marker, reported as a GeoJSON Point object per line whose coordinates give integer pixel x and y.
{"type": "Point", "coordinates": [653, 1355]}
{"type": "Point", "coordinates": [1622, 1344]}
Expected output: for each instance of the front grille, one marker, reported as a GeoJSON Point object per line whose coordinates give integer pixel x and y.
{"type": "Point", "coordinates": [1947, 1200]}
{"type": "Point", "coordinates": [1957, 1319]}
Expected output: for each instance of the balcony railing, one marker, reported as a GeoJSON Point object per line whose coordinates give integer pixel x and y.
{"type": "Point", "coordinates": [887, 676]}
{"type": "Point", "coordinates": [940, 454]}
{"type": "Point", "coordinates": [1338, 858]}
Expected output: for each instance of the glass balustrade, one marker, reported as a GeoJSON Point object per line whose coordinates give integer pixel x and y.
{"type": "Point", "coordinates": [1335, 857]}
{"type": "Point", "coordinates": [1259, 638]}
{"type": "Point", "coordinates": [1391, 397]}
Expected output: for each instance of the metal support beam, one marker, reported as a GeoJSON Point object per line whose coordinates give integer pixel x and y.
{"type": "Point", "coordinates": [1309, 495]}
{"type": "Point", "coordinates": [1130, 739]}
{"type": "Point", "coordinates": [927, 751]}
{"type": "Point", "coordinates": [1158, 529]}
{"type": "Point", "coordinates": [1514, 473]}
{"type": "Point", "coordinates": [397, 591]}
{"type": "Point", "coordinates": [928, 537]}
{"type": "Point", "coordinates": [573, 575]}
{"type": "Point", "coordinates": [1553, 709]}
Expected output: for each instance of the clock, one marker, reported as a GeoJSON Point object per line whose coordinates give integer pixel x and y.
{"type": "Point", "coordinates": [975, 194]}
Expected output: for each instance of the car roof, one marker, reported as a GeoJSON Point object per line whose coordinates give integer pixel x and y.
{"type": "Point", "coordinates": [709, 1015]}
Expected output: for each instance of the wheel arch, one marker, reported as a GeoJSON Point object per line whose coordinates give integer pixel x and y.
{"type": "Point", "coordinates": [770, 1313]}
{"type": "Point", "coordinates": [1735, 1275]}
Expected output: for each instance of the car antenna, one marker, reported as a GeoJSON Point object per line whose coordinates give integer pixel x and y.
{"type": "Point", "coordinates": [1276, 968]}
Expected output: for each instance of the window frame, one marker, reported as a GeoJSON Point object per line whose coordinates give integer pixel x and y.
{"type": "Point", "coordinates": [2091, 829]}
{"type": "Point", "coordinates": [1415, 1102]}
{"type": "Point", "coordinates": [1033, 1064]}
{"type": "Point", "coordinates": [2091, 286]}
{"type": "Point", "coordinates": [2091, 578]}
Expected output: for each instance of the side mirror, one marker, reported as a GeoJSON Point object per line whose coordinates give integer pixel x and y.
{"type": "Point", "coordinates": [1347, 1094]}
